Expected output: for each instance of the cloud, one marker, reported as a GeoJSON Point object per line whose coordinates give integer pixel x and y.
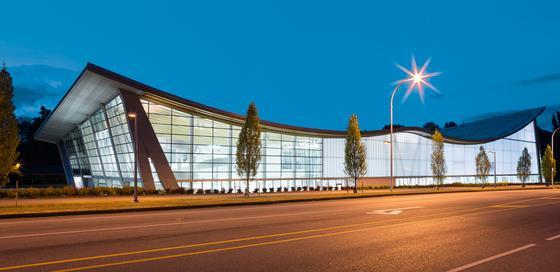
{"type": "Point", "coordinates": [539, 80]}
{"type": "Point", "coordinates": [38, 85]}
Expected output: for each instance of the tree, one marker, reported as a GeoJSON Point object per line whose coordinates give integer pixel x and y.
{"type": "Point", "coordinates": [248, 156]}
{"type": "Point", "coordinates": [9, 134]}
{"type": "Point", "coordinates": [482, 166]}
{"type": "Point", "coordinates": [548, 164]}
{"type": "Point", "coordinates": [439, 169]}
{"type": "Point", "coordinates": [355, 165]}
{"type": "Point", "coordinates": [449, 124]}
{"type": "Point", "coordinates": [524, 166]}
{"type": "Point", "coordinates": [431, 126]}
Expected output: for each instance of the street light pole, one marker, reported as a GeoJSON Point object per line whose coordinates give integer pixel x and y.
{"type": "Point", "coordinates": [132, 115]}
{"type": "Point", "coordinates": [417, 78]}
{"type": "Point", "coordinates": [16, 167]}
{"type": "Point", "coordinates": [552, 172]}
{"type": "Point", "coordinates": [391, 136]}
{"type": "Point", "coordinates": [495, 179]}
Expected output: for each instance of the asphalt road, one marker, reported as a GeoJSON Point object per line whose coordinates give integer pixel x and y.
{"type": "Point", "coordinates": [488, 231]}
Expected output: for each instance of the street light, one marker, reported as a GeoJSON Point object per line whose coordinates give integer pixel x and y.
{"type": "Point", "coordinates": [132, 115]}
{"type": "Point", "coordinates": [552, 172]}
{"type": "Point", "coordinates": [17, 166]}
{"type": "Point", "coordinates": [416, 79]}
{"type": "Point", "coordinates": [494, 153]}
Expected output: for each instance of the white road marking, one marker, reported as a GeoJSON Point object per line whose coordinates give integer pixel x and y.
{"type": "Point", "coordinates": [393, 211]}
{"type": "Point", "coordinates": [553, 238]}
{"type": "Point", "coordinates": [464, 267]}
{"type": "Point", "coordinates": [167, 224]}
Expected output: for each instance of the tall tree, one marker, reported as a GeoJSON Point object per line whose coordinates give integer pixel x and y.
{"type": "Point", "coordinates": [439, 169]}
{"type": "Point", "coordinates": [355, 165]}
{"type": "Point", "coordinates": [9, 134]}
{"type": "Point", "coordinates": [248, 156]}
{"type": "Point", "coordinates": [482, 166]}
{"type": "Point", "coordinates": [431, 126]}
{"type": "Point", "coordinates": [524, 166]}
{"type": "Point", "coordinates": [548, 164]}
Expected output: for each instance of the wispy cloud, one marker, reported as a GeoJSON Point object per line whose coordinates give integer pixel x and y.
{"type": "Point", "coordinates": [539, 80]}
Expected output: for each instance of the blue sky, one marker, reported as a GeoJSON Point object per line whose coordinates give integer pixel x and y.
{"type": "Point", "coordinates": [308, 63]}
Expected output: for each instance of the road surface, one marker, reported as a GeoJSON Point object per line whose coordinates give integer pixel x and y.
{"type": "Point", "coordinates": [486, 231]}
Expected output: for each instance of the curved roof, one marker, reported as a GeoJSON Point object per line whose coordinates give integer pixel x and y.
{"type": "Point", "coordinates": [96, 85]}
{"type": "Point", "coordinates": [494, 127]}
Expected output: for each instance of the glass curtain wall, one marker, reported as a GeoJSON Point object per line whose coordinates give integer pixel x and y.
{"type": "Point", "coordinates": [102, 146]}
{"type": "Point", "coordinates": [413, 157]}
{"type": "Point", "coordinates": [201, 152]}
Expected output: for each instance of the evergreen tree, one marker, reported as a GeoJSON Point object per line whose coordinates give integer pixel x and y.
{"type": "Point", "coordinates": [548, 164]}
{"type": "Point", "coordinates": [524, 166]}
{"type": "Point", "coordinates": [9, 134]}
{"type": "Point", "coordinates": [482, 166]}
{"type": "Point", "coordinates": [248, 156]}
{"type": "Point", "coordinates": [355, 165]}
{"type": "Point", "coordinates": [439, 169]}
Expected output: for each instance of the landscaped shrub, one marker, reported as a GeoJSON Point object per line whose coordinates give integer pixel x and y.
{"type": "Point", "coordinates": [256, 190]}
{"type": "Point", "coordinates": [264, 190]}
{"type": "Point", "coordinates": [239, 191]}
{"type": "Point", "coordinates": [153, 191]}
{"type": "Point", "coordinates": [305, 188]}
{"type": "Point", "coordinates": [230, 190]}
{"type": "Point", "coordinates": [271, 189]}
{"type": "Point", "coordinates": [293, 188]}
{"type": "Point", "coordinates": [285, 189]}
{"type": "Point", "coordinates": [189, 191]}
{"type": "Point", "coordinates": [199, 191]}
{"type": "Point", "coordinates": [279, 189]}
{"type": "Point", "coordinates": [215, 191]}
{"type": "Point", "coordinates": [207, 191]}
{"type": "Point", "coordinates": [298, 189]}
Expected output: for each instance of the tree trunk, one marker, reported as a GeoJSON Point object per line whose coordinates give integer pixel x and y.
{"type": "Point", "coordinates": [247, 193]}
{"type": "Point", "coordinates": [355, 186]}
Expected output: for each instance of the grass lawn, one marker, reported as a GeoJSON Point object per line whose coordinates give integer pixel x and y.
{"type": "Point", "coordinates": [75, 205]}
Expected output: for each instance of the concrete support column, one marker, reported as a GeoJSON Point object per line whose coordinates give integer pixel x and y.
{"type": "Point", "coordinates": [148, 145]}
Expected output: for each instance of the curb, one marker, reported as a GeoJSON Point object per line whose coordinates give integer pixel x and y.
{"type": "Point", "coordinates": [184, 207]}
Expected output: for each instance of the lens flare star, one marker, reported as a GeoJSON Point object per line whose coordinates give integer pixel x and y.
{"type": "Point", "coordinates": [417, 78]}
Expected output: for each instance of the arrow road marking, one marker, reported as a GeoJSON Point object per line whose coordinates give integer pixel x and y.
{"type": "Point", "coordinates": [394, 211]}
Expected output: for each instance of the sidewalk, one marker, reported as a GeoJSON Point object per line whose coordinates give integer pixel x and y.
{"type": "Point", "coordinates": [114, 204]}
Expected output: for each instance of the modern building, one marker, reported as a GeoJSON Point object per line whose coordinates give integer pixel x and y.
{"type": "Point", "coordinates": [187, 144]}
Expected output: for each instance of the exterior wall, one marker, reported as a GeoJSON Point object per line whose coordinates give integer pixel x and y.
{"type": "Point", "coordinates": [201, 154]}
{"type": "Point", "coordinates": [100, 148]}
{"type": "Point", "coordinates": [413, 152]}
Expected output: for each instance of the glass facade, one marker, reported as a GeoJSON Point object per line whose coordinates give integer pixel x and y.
{"type": "Point", "coordinates": [413, 155]}
{"type": "Point", "coordinates": [201, 153]}
{"type": "Point", "coordinates": [101, 146]}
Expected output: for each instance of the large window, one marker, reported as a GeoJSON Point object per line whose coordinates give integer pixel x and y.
{"type": "Point", "coordinates": [203, 150]}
